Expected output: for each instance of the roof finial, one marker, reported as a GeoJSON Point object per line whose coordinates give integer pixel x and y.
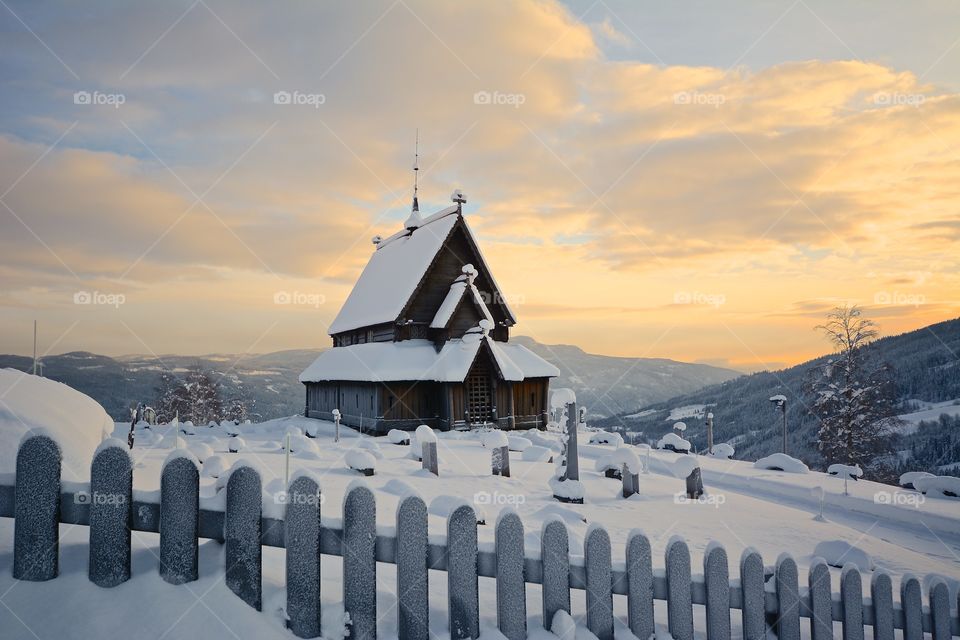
{"type": "Point", "coordinates": [414, 220]}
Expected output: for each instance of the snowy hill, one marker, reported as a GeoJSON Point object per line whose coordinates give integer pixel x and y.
{"type": "Point", "coordinates": [925, 365]}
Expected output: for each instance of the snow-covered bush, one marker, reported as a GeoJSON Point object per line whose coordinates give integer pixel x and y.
{"type": "Point", "coordinates": [603, 437]}
{"type": "Point", "coordinates": [723, 451]}
{"type": "Point", "coordinates": [838, 553]}
{"type": "Point", "coordinates": [236, 444]}
{"type": "Point", "coordinates": [396, 436]}
{"type": "Point", "coordinates": [781, 462]}
{"type": "Point", "coordinates": [535, 453]}
{"type": "Point", "coordinates": [360, 460]}
{"type": "Point", "coordinates": [938, 486]}
{"type": "Point", "coordinates": [672, 441]}
{"type": "Point", "coordinates": [188, 428]}
{"type": "Point", "coordinates": [909, 479]}
{"type": "Point", "coordinates": [516, 443]}
{"type": "Point", "coordinates": [201, 449]}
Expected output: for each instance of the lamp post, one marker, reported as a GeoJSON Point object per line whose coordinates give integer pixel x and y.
{"type": "Point", "coordinates": [781, 403]}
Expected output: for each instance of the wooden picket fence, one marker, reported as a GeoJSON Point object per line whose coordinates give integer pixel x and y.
{"type": "Point", "coordinates": [38, 504]}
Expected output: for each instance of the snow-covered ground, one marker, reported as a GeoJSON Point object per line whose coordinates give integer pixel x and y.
{"type": "Point", "coordinates": [929, 412]}
{"type": "Point", "coordinates": [773, 511]}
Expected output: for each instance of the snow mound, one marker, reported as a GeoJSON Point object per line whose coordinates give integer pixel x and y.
{"type": "Point", "coordinates": [560, 398]}
{"type": "Point", "coordinates": [672, 440]}
{"type": "Point", "coordinates": [236, 444]}
{"type": "Point", "coordinates": [301, 444]}
{"type": "Point", "coordinates": [938, 486]}
{"type": "Point", "coordinates": [443, 506]}
{"type": "Point", "coordinates": [683, 466]}
{"type": "Point", "coordinates": [845, 471]}
{"type": "Point", "coordinates": [293, 431]}
{"type": "Point", "coordinates": [214, 466]}
{"type": "Point", "coordinates": [360, 460]}
{"type": "Point", "coordinates": [602, 437]}
{"type": "Point", "coordinates": [76, 421]}
{"type": "Point", "coordinates": [398, 487]}
{"type": "Point", "coordinates": [188, 428]}
{"type": "Point", "coordinates": [569, 489]}
{"type": "Point", "coordinates": [369, 445]}
{"type": "Point", "coordinates": [909, 479]}
{"type": "Point", "coordinates": [201, 450]}
{"type": "Point", "coordinates": [494, 439]}
{"type": "Point", "coordinates": [620, 457]}
{"type": "Point", "coordinates": [838, 553]}
{"type": "Point", "coordinates": [423, 434]}
{"type": "Point", "coordinates": [781, 462]}
{"type": "Point", "coordinates": [173, 441]}
{"type": "Point", "coordinates": [516, 443]}
{"type": "Point", "coordinates": [723, 451]}
{"type": "Point", "coordinates": [680, 426]}
{"type": "Point", "coordinates": [535, 453]}
{"type": "Point", "coordinates": [396, 436]}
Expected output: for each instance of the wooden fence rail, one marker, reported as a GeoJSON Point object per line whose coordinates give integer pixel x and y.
{"type": "Point", "coordinates": [38, 504]}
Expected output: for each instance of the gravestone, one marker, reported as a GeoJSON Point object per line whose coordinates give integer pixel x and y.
{"type": "Point", "coordinates": [179, 513]}
{"type": "Point", "coordinates": [694, 484]}
{"type": "Point", "coordinates": [572, 454]}
{"type": "Point", "coordinates": [242, 533]}
{"type": "Point", "coordinates": [302, 542]}
{"type": "Point", "coordinates": [631, 482]}
{"type": "Point", "coordinates": [111, 498]}
{"type": "Point", "coordinates": [500, 461]}
{"type": "Point", "coordinates": [36, 532]}
{"type": "Point", "coordinates": [428, 451]}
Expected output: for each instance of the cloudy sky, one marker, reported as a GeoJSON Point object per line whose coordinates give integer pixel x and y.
{"type": "Point", "coordinates": [694, 180]}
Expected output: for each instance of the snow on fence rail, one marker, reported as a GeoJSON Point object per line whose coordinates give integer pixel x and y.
{"type": "Point", "coordinates": [38, 503]}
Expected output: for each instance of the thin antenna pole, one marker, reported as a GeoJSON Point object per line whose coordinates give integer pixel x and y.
{"type": "Point", "coordinates": [416, 170]}
{"type": "Point", "coordinates": [34, 347]}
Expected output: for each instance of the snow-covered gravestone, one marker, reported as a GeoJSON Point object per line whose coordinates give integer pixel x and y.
{"type": "Point", "coordinates": [500, 461]}
{"type": "Point", "coordinates": [111, 498]}
{"type": "Point", "coordinates": [639, 585]}
{"type": "Point", "coordinates": [179, 513]}
{"type": "Point", "coordinates": [427, 441]}
{"type": "Point", "coordinates": [679, 602]}
{"type": "Point", "coordinates": [36, 537]}
{"type": "Point", "coordinates": [413, 606]}
{"type": "Point", "coordinates": [302, 542]}
{"type": "Point", "coordinates": [462, 586]}
{"type": "Point", "coordinates": [242, 534]}
{"type": "Point", "coordinates": [572, 455]}
{"type": "Point", "coordinates": [511, 588]}
{"type": "Point", "coordinates": [359, 561]}
{"type": "Point", "coordinates": [695, 484]}
{"type": "Point", "coordinates": [555, 560]}
{"type": "Point", "coordinates": [752, 595]}
{"type": "Point", "coordinates": [597, 561]}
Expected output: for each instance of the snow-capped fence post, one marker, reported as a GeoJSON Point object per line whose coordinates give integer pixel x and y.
{"type": "Point", "coordinates": [851, 601]}
{"type": "Point", "coordinates": [679, 600]}
{"type": "Point", "coordinates": [241, 527]}
{"type": "Point", "coordinates": [360, 562]}
{"type": "Point", "coordinates": [36, 530]}
{"type": "Point", "coordinates": [631, 482]}
{"type": "Point", "coordinates": [429, 452]}
{"type": "Point", "coordinates": [597, 562]}
{"type": "Point", "coordinates": [302, 541]}
{"type": "Point", "coordinates": [572, 455]}
{"type": "Point", "coordinates": [413, 606]}
{"type": "Point", "coordinates": [555, 559]}
{"type": "Point", "coordinates": [788, 598]}
{"type": "Point", "coordinates": [911, 601]}
{"type": "Point", "coordinates": [821, 598]}
{"type": "Point", "coordinates": [716, 578]}
{"type": "Point", "coordinates": [111, 501]}
{"type": "Point", "coordinates": [511, 587]}
{"type": "Point", "coordinates": [639, 585]}
{"type": "Point", "coordinates": [462, 585]}
{"type": "Point", "coordinates": [695, 484]}
{"type": "Point", "coordinates": [939, 610]}
{"type": "Point", "coordinates": [500, 461]}
{"type": "Point", "coordinates": [179, 513]}
{"type": "Point", "coordinates": [881, 595]}
{"type": "Point", "coordinates": [752, 595]}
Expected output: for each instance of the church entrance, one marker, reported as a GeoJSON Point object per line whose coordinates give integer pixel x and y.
{"type": "Point", "coordinates": [479, 395]}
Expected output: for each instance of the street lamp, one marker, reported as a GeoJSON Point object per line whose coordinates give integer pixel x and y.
{"type": "Point", "coordinates": [781, 402]}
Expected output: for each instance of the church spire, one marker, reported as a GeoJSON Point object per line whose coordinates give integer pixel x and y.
{"type": "Point", "coordinates": [415, 220]}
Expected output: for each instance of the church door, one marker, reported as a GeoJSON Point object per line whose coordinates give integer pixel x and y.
{"type": "Point", "coordinates": [479, 400]}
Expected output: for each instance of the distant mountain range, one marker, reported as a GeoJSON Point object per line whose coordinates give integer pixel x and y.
{"type": "Point", "coordinates": [606, 385]}
{"type": "Point", "coordinates": [926, 368]}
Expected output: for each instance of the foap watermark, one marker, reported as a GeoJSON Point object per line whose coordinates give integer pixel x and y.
{"type": "Point", "coordinates": [299, 98]}
{"type": "Point", "coordinates": [897, 99]}
{"type": "Point", "coordinates": [99, 498]}
{"type": "Point", "coordinates": [696, 98]}
{"type": "Point", "coordinates": [299, 497]}
{"type": "Point", "coordinates": [299, 298]}
{"type": "Point", "coordinates": [900, 498]}
{"type": "Point", "coordinates": [497, 498]}
{"type": "Point", "coordinates": [899, 298]}
{"type": "Point", "coordinates": [497, 98]}
{"type": "Point", "coordinates": [710, 499]}
{"type": "Point", "coordinates": [715, 300]}
{"type": "Point", "coordinates": [499, 298]}
{"type": "Point", "coordinates": [99, 98]}
{"type": "Point", "coordinates": [99, 298]}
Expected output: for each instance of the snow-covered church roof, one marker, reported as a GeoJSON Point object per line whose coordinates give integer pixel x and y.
{"type": "Point", "coordinates": [419, 360]}
{"type": "Point", "coordinates": [395, 270]}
